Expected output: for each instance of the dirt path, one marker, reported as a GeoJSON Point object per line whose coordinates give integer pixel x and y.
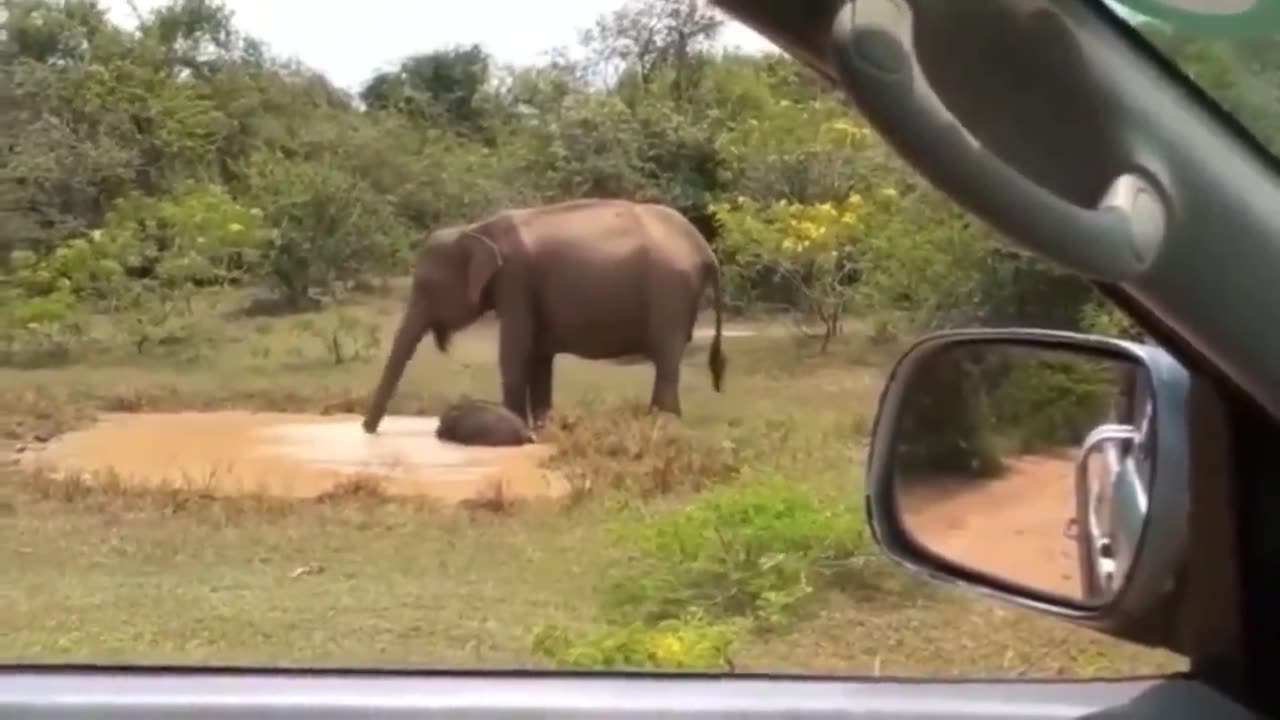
{"type": "Point", "coordinates": [1011, 526]}
{"type": "Point", "coordinates": [291, 455]}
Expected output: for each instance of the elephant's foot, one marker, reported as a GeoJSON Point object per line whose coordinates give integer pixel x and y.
{"type": "Point", "coordinates": [656, 408]}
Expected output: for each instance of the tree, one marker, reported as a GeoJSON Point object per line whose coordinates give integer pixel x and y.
{"type": "Point", "coordinates": [444, 86]}
{"type": "Point", "coordinates": [149, 133]}
{"type": "Point", "coordinates": [644, 36]}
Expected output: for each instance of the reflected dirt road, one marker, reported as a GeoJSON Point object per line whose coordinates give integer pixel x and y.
{"type": "Point", "coordinates": [1011, 526]}
{"type": "Point", "coordinates": [292, 455]}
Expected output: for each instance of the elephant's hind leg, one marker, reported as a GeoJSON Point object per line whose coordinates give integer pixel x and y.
{"type": "Point", "coordinates": [666, 379]}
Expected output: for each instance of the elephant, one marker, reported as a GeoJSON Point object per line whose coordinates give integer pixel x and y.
{"type": "Point", "coordinates": [471, 421]}
{"type": "Point", "coordinates": [599, 279]}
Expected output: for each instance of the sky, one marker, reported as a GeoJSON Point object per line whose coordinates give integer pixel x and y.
{"type": "Point", "coordinates": [351, 41]}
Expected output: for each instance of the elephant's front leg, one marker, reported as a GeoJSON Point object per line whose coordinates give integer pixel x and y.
{"type": "Point", "coordinates": [514, 354]}
{"type": "Point", "coordinates": [540, 374]}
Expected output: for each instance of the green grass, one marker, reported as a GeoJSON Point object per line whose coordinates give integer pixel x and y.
{"type": "Point", "coordinates": [114, 575]}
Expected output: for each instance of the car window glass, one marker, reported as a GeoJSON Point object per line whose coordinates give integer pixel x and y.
{"type": "Point", "coordinates": [208, 222]}
{"type": "Point", "coordinates": [1237, 64]}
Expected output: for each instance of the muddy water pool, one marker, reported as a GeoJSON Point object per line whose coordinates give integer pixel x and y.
{"type": "Point", "coordinates": [293, 455]}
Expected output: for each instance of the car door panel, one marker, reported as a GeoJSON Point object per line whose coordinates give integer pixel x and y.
{"type": "Point", "coordinates": [1040, 168]}
{"type": "Point", "coordinates": [159, 694]}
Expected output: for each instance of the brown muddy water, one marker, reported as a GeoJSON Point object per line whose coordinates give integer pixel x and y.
{"type": "Point", "coordinates": [291, 455]}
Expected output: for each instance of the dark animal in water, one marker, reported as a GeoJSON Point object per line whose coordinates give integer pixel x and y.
{"type": "Point", "coordinates": [479, 422]}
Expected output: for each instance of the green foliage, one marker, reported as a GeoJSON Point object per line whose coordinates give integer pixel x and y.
{"type": "Point", "coordinates": [929, 267]}
{"type": "Point", "coordinates": [38, 329]}
{"type": "Point", "coordinates": [690, 642]}
{"type": "Point", "coordinates": [802, 151]}
{"type": "Point", "coordinates": [1103, 319]}
{"type": "Point", "coordinates": [751, 550]}
{"type": "Point", "coordinates": [155, 135]}
{"type": "Point", "coordinates": [1045, 401]}
{"type": "Point", "coordinates": [945, 428]}
{"type": "Point", "coordinates": [446, 86]}
{"type": "Point", "coordinates": [971, 408]}
{"type": "Point", "coordinates": [331, 228]}
{"type": "Point", "coordinates": [741, 557]}
{"type": "Point", "coordinates": [198, 236]}
{"type": "Point", "coordinates": [144, 264]}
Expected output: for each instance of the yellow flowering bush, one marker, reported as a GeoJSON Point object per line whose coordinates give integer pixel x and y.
{"type": "Point", "coordinates": [814, 246]}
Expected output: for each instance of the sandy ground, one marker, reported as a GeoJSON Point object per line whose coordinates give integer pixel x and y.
{"type": "Point", "coordinates": [292, 455]}
{"type": "Point", "coordinates": [1012, 526]}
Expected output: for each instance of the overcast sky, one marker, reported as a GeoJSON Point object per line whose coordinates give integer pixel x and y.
{"type": "Point", "coordinates": [351, 41]}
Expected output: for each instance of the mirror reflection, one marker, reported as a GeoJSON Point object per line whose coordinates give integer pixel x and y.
{"type": "Point", "coordinates": [1028, 463]}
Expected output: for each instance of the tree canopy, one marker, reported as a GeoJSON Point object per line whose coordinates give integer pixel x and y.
{"type": "Point", "coordinates": [144, 165]}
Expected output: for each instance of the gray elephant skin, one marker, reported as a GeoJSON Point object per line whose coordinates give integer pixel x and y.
{"type": "Point", "coordinates": [471, 421]}
{"type": "Point", "coordinates": [598, 279]}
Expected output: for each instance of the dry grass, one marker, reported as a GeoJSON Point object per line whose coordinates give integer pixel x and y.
{"type": "Point", "coordinates": [91, 569]}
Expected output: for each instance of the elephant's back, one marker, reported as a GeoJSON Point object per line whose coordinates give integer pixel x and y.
{"type": "Point", "coordinates": [676, 240]}
{"type": "Point", "coordinates": [597, 269]}
{"type": "Point", "coordinates": [597, 233]}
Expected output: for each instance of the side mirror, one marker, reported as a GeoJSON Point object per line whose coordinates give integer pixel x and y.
{"type": "Point", "coordinates": [1048, 469]}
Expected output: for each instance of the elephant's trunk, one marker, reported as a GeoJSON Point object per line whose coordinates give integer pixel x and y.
{"type": "Point", "coordinates": [413, 327]}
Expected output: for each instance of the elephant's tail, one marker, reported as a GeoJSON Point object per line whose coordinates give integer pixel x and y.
{"type": "Point", "coordinates": [716, 359]}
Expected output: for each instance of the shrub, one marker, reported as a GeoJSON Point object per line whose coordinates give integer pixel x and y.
{"type": "Point", "coordinates": [630, 450]}
{"type": "Point", "coordinates": [963, 415]}
{"type": "Point", "coordinates": [1104, 319]}
{"type": "Point", "coordinates": [688, 642]}
{"type": "Point", "coordinates": [143, 266]}
{"type": "Point", "coordinates": [944, 428]}
{"type": "Point", "coordinates": [38, 330]}
{"type": "Point", "coordinates": [928, 265]}
{"type": "Point", "coordinates": [198, 236]}
{"type": "Point", "coordinates": [1046, 402]}
{"type": "Point", "coordinates": [751, 551]}
{"type": "Point", "coordinates": [331, 228]}
{"type": "Point", "coordinates": [812, 248]}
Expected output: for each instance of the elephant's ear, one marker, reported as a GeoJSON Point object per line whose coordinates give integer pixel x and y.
{"type": "Point", "coordinates": [483, 255]}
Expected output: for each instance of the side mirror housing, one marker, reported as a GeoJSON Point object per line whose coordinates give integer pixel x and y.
{"type": "Point", "coordinates": [1046, 469]}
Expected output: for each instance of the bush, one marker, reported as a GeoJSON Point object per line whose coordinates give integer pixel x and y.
{"type": "Point", "coordinates": [331, 229]}
{"type": "Point", "coordinates": [199, 235]}
{"type": "Point", "coordinates": [752, 551]}
{"type": "Point", "coordinates": [39, 330]}
{"type": "Point", "coordinates": [928, 265]}
{"type": "Point", "coordinates": [1104, 319]}
{"type": "Point", "coordinates": [637, 453]}
{"type": "Point", "coordinates": [1046, 402]}
{"type": "Point", "coordinates": [688, 642]}
{"type": "Point", "coordinates": [944, 429]}
{"type": "Point", "coordinates": [964, 415]}
{"type": "Point", "coordinates": [811, 248]}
